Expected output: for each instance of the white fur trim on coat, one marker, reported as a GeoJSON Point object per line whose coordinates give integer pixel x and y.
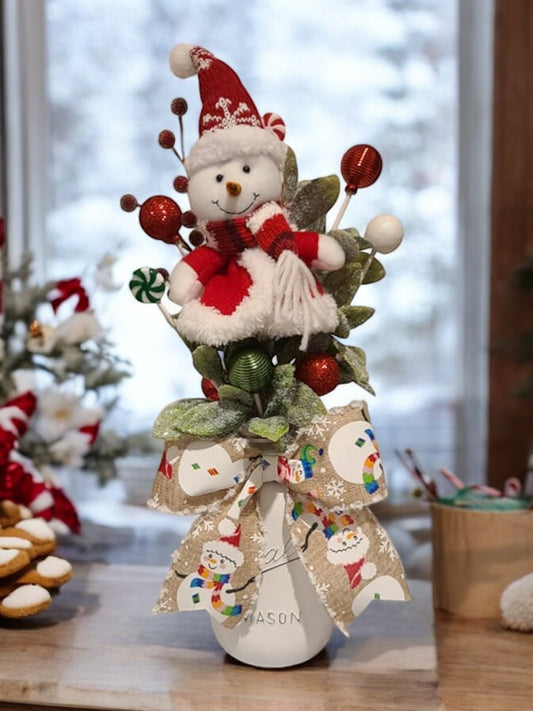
{"type": "Point", "coordinates": [205, 324]}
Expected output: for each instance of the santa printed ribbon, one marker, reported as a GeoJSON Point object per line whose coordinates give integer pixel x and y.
{"type": "Point", "coordinates": [331, 474]}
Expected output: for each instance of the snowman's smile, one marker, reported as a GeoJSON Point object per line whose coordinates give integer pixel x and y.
{"type": "Point", "coordinates": [345, 547]}
{"type": "Point", "coordinates": [240, 212]}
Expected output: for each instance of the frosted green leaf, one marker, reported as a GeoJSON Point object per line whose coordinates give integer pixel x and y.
{"type": "Point", "coordinates": [230, 392]}
{"type": "Point", "coordinates": [343, 327]}
{"type": "Point", "coordinates": [348, 240]}
{"type": "Point", "coordinates": [319, 225]}
{"type": "Point", "coordinates": [202, 418]}
{"type": "Point", "coordinates": [206, 360]}
{"type": "Point", "coordinates": [375, 272]}
{"type": "Point", "coordinates": [322, 343]}
{"type": "Point", "coordinates": [352, 365]}
{"type": "Point", "coordinates": [357, 315]}
{"type": "Point", "coordinates": [364, 243]}
{"type": "Point", "coordinates": [165, 423]}
{"type": "Point", "coordinates": [286, 349]}
{"type": "Point", "coordinates": [290, 177]}
{"type": "Point", "coordinates": [271, 428]}
{"type": "Point", "coordinates": [281, 390]}
{"type": "Point", "coordinates": [212, 419]}
{"type": "Point", "coordinates": [314, 199]}
{"type": "Point", "coordinates": [304, 406]}
{"type": "Point", "coordinates": [343, 283]}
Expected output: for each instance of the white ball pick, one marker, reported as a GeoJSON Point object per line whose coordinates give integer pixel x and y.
{"type": "Point", "coordinates": [385, 233]}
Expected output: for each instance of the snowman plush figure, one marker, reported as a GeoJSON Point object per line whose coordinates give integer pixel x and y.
{"type": "Point", "coordinates": [252, 277]}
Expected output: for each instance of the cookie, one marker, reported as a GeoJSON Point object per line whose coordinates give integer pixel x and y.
{"type": "Point", "coordinates": [24, 601]}
{"type": "Point", "coordinates": [37, 532]}
{"type": "Point", "coordinates": [51, 572]}
{"type": "Point", "coordinates": [11, 513]}
{"type": "Point", "coordinates": [27, 570]}
{"type": "Point", "coordinates": [12, 560]}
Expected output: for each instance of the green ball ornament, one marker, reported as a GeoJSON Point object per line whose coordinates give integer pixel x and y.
{"type": "Point", "coordinates": [250, 370]}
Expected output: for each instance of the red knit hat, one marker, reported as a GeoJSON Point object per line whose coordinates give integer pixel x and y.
{"type": "Point", "coordinates": [228, 545]}
{"type": "Point", "coordinates": [230, 124]}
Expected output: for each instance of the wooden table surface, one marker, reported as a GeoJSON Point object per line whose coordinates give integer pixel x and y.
{"type": "Point", "coordinates": [99, 647]}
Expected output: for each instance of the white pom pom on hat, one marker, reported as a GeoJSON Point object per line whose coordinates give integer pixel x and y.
{"type": "Point", "coordinates": [180, 61]}
{"type": "Point", "coordinates": [230, 124]}
{"type": "Point", "coordinates": [227, 527]}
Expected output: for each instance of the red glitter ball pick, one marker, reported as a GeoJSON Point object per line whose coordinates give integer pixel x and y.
{"type": "Point", "coordinates": [160, 218]}
{"type": "Point", "coordinates": [360, 167]}
{"type": "Point", "coordinates": [319, 371]}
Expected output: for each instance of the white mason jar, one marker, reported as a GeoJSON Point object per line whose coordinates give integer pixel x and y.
{"type": "Point", "coordinates": [288, 623]}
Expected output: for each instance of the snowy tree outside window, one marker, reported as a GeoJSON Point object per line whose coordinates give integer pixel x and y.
{"type": "Point", "coordinates": [381, 72]}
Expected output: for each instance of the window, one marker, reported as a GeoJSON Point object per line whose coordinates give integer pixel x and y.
{"type": "Point", "coordinates": [384, 73]}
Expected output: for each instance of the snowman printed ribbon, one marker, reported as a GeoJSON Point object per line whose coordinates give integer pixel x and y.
{"type": "Point", "coordinates": [331, 474]}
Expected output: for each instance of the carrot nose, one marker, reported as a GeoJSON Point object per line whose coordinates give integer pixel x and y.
{"type": "Point", "coordinates": [234, 189]}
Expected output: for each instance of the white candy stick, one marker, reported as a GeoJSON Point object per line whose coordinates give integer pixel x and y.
{"type": "Point", "coordinates": [368, 263]}
{"type": "Point", "coordinates": [342, 211]}
{"type": "Point", "coordinates": [167, 315]}
{"type": "Point", "coordinates": [258, 404]}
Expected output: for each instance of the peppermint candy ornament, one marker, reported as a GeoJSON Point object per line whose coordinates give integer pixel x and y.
{"type": "Point", "coordinates": [275, 123]}
{"type": "Point", "coordinates": [148, 285]}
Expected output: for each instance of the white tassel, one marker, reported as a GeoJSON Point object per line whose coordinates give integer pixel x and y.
{"type": "Point", "coordinates": [295, 295]}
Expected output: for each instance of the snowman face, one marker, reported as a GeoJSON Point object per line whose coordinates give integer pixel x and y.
{"type": "Point", "coordinates": [347, 546]}
{"type": "Point", "coordinates": [233, 189]}
{"type": "Point", "coordinates": [216, 562]}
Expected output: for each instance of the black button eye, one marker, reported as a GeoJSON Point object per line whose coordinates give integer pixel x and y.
{"type": "Point", "coordinates": [245, 168]}
{"type": "Point", "coordinates": [219, 178]}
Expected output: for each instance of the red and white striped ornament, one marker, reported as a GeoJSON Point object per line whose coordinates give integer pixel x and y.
{"type": "Point", "coordinates": [275, 123]}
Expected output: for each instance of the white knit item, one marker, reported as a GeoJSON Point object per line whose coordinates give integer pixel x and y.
{"type": "Point", "coordinates": [296, 292]}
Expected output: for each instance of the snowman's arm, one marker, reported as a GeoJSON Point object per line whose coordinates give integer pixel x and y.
{"type": "Point", "coordinates": [319, 251]}
{"type": "Point", "coordinates": [189, 276]}
{"type": "Point", "coordinates": [234, 590]}
{"type": "Point", "coordinates": [308, 536]}
{"type": "Point", "coordinates": [274, 235]}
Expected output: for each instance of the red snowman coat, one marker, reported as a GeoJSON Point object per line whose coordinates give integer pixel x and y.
{"type": "Point", "coordinates": [229, 288]}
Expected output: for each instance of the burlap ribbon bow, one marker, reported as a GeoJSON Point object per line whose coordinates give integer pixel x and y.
{"type": "Point", "coordinates": [330, 475]}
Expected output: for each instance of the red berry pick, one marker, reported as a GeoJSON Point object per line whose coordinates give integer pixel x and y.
{"type": "Point", "coordinates": [166, 139]}
{"type": "Point", "coordinates": [129, 203]}
{"type": "Point", "coordinates": [179, 106]}
{"type": "Point", "coordinates": [360, 167]}
{"type": "Point", "coordinates": [181, 184]}
{"type": "Point", "coordinates": [319, 371]}
{"type": "Point", "coordinates": [209, 389]}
